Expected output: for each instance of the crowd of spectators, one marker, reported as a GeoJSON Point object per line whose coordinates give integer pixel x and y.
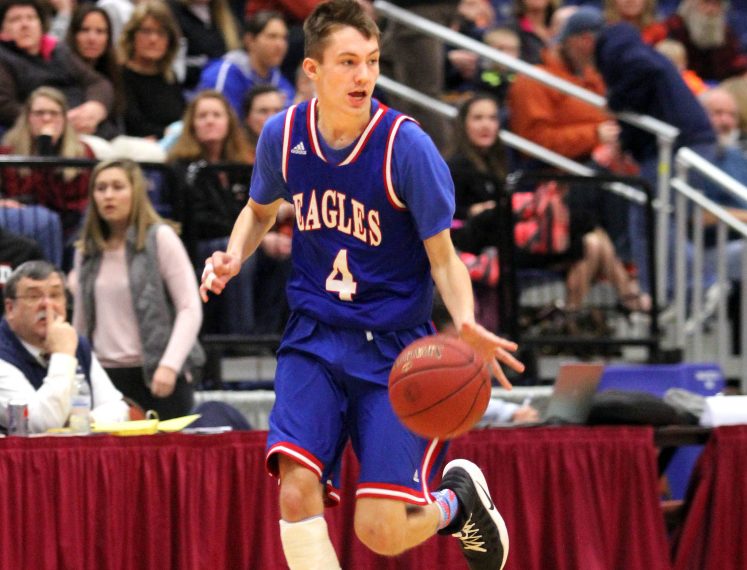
{"type": "Point", "coordinates": [196, 79]}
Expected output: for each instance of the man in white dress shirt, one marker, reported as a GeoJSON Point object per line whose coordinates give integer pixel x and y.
{"type": "Point", "coordinates": [40, 353]}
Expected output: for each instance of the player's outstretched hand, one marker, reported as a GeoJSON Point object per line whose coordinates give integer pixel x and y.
{"type": "Point", "coordinates": [493, 349]}
{"type": "Point", "coordinates": [219, 268]}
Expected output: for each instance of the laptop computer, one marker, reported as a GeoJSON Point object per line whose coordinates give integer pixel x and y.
{"type": "Point", "coordinates": [574, 388]}
{"type": "Point", "coordinates": [569, 402]}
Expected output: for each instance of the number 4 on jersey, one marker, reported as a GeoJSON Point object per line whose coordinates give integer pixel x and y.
{"type": "Point", "coordinates": [341, 280]}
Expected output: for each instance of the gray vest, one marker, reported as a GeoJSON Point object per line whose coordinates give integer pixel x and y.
{"type": "Point", "coordinates": [152, 305]}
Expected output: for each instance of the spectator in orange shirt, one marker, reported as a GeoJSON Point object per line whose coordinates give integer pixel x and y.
{"type": "Point", "coordinates": [560, 122]}
{"type": "Point", "coordinates": [569, 126]}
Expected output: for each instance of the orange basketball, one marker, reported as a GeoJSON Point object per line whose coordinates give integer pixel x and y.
{"type": "Point", "coordinates": [439, 387]}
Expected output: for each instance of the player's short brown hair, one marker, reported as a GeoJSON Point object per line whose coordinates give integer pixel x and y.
{"type": "Point", "coordinates": [328, 17]}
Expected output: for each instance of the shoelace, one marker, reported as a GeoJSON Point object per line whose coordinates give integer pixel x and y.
{"type": "Point", "coordinates": [471, 537]}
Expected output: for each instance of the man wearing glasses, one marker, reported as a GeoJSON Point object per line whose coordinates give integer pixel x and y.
{"type": "Point", "coordinates": [40, 353]}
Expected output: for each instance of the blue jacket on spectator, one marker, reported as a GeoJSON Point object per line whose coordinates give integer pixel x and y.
{"type": "Point", "coordinates": [641, 80]}
{"type": "Point", "coordinates": [233, 76]}
{"type": "Point", "coordinates": [733, 162]}
{"type": "Point", "coordinates": [13, 352]}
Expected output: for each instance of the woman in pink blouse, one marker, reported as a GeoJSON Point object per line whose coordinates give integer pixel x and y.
{"type": "Point", "coordinates": [135, 293]}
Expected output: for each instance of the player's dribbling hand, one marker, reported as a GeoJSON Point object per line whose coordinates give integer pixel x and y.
{"type": "Point", "coordinates": [219, 268]}
{"type": "Point", "coordinates": [493, 349]}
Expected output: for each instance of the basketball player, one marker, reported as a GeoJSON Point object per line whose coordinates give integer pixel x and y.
{"type": "Point", "coordinates": [373, 203]}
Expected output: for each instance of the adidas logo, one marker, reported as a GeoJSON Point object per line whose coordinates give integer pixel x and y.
{"type": "Point", "coordinates": [299, 149]}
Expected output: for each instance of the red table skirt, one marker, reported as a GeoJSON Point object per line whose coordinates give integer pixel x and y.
{"type": "Point", "coordinates": [713, 534]}
{"type": "Point", "coordinates": [572, 498]}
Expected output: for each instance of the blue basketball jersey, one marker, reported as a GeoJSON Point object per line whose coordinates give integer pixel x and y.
{"type": "Point", "coordinates": [362, 214]}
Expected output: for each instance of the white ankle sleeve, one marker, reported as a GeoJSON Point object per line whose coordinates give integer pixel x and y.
{"type": "Point", "coordinates": [307, 546]}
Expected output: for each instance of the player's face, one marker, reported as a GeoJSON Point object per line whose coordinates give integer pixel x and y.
{"type": "Point", "coordinates": [112, 194]}
{"type": "Point", "coordinates": [482, 123]}
{"type": "Point", "coordinates": [211, 121]}
{"type": "Point", "coordinates": [348, 71]}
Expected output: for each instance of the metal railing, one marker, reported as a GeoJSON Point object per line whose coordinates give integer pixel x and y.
{"type": "Point", "coordinates": [700, 314]}
{"type": "Point", "coordinates": [665, 134]}
{"type": "Point", "coordinates": [511, 140]}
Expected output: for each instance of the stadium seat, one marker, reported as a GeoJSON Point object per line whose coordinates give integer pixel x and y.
{"type": "Point", "coordinates": [38, 223]}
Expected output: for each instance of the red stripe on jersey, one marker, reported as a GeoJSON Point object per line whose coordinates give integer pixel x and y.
{"type": "Point", "coordinates": [372, 124]}
{"type": "Point", "coordinates": [429, 460]}
{"type": "Point", "coordinates": [362, 140]}
{"type": "Point", "coordinates": [287, 130]}
{"type": "Point", "coordinates": [297, 454]}
{"type": "Point", "coordinates": [331, 495]}
{"type": "Point", "coordinates": [400, 493]}
{"type": "Point", "coordinates": [391, 195]}
{"type": "Point", "coordinates": [311, 127]}
{"type": "Point", "coordinates": [387, 491]}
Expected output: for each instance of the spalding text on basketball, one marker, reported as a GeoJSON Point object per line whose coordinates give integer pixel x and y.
{"type": "Point", "coordinates": [406, 359]}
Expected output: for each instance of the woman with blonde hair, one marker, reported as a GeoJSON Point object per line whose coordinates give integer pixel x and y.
{"type": "Point", "coordinates": [43, 129]}
{"type": "Point", "coordinates": [136, 294]}
{"type": "Point", "coordinates": [211, 131]}
{"type": "Point", "coordinates": [211, 134]}
{"type": "Point", "coordinates": [211, 164]}
{"type": "Point", "coordinates": [148, 47]}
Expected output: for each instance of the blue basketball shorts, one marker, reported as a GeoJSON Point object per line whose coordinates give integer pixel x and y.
{"type": "Point", "coordinates": [331, 386]}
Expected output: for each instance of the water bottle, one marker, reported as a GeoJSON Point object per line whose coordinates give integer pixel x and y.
{"type": "Point", "coordinates": [80, 406]}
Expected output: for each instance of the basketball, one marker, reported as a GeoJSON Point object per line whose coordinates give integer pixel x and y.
{"type": "Point", "coordinates": [439, 387]}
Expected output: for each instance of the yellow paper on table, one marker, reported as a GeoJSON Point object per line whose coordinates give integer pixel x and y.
{"type": "Point", "coordinates": [137, 427]}
{"type": "Point", "coordinates": [177, 424]}
{"type": "Point", "coordinates": [145, 427]}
